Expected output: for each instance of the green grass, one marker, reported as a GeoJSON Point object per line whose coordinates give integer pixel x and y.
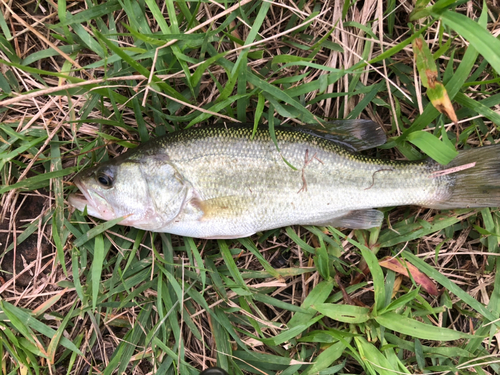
{"type": "Point", "coordinates": [90, 79]}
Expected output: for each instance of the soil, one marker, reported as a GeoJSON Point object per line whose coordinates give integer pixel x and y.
{"type": "Point", "coordinates": [12, 263]}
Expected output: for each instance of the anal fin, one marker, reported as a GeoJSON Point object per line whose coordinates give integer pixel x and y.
{"type": "Point", "coordinates": [357, 219]}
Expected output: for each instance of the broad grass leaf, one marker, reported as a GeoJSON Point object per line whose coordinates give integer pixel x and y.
{"type": "Point", "coordinates": [316, 296]}
{"type": "Point", "coordinates": [480, 38]}
{"type": "Point", "coordinates": [415, 328]}
{"type": "Point", "coordinates": [259, 110]}
{"type": "Point", "coordinates": [373, 359]}
{"type": "Point", "coordinates": [197, 262]}
{"type": "Point", "coordinates": [144, 37]}
{"type": "Point", "coordinates": [302, 244]}
{"type": "Point", "coordinates": [282, 96]}
{"type": "Point", "coordinates": [291, 333]}
{"type": "Point", "coordinates": [285, 59]}
{"type": "Point", "coordinates": [432, 146]}
{"type": "Point", "coordinates": [215, 108]}
{"type": "Point", "coordinates": [231, 265]}
{"type": "Point", "coordinates": [139, 67]}
{"type": "Point", "coordinates": [425, 62]}
{"type": "Point", "coordinates": [311, 65]}
{"type": "Point", "coordinates": [201, 69]}
{"type": "Point", "coordinates": [250, 246]}
{"type": "Point", "coordinates": [54, 342]}
{"type": "Point", "coordinates": [268, 300]}
{"type": "Point", "coordinates": [445, 351]}
{"type": "Point", "coordinates": [125, 350]}
{"type": "Point", "coordinates": [478, 107]}
{"type": "Point", "coordinates": [441, 101]}
{"type": "Point", "coordinates": [419, 354]}
{"type": "Point", "coordinates": [306, 88]}
{"type": "Point", "coordinates": [96, 11]}
{"type": "Point", "coordinates": [240, 66]}
{"type": "Point", "coordinates": [98, 229]}
{"type": "Point", "coordinates": [4, 83]}
{"type": "Point", "coordinates": [6, 156]}
{"type": "Point", "coordinates": [326, 358]}
{"type": "Point", "coordinates": [35, 182]}
{"type": "Point", "coordinates": [368, 30]}
{"type": "Point", "coordinates": [221, 330]}
{"type": "Point", "coordinates": [97, 264]}
{"type": "Point", "coordinates": [158, 16]}
{"type": "Point", "coordinates": [20, 326]}
{"type": "Point", "coordinates": [88, 40]}
{"type": "Point", "coordinates": [404, 300]}
{"type": "Point", "coordinates": [29, 321]}
{"type": "Point", "coordinates": [420, 10]}
{"type": "Point", "coordinates": [8, 49]}
{"type": "Point", "coordinates": [373, 92]}
{"type": "Point", "coordinates": [75, 269]}
{"type": "Point", "coordinates": [408, 231]}
{"type": "Point", "coordinates": [3, 26]}
{"type": "Point", "coordinates": [49, 303]}
{"type": "Point", "coordinates": [49, 52]}
{"type": "Point", "coordinates": [451, 286]}
{"type": "Point", "coordinates": [393, 50]}
{"type": "Point", "coordinates": [375, 269]}
{"type": "Point", "coordinates": [343, 313]}
{"type": "Point", "coordinates": [266, 359]}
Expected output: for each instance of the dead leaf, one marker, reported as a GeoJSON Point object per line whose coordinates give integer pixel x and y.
{"type": "Point", "coordinates": [428, 72]}
{"type": "Point", "coordinates": [420, 278]}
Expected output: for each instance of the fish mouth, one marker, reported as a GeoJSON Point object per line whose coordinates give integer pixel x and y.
{"type": "Point", "coordinates": [95, 203]}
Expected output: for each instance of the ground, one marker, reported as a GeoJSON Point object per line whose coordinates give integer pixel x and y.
{"type": "Point", "coordinates": [83, 81]}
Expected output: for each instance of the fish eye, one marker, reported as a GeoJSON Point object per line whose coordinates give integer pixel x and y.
{"type": "Point", "coordinates": [105, 180]}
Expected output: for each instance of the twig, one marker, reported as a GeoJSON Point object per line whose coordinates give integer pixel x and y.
{"type": "Point", "coordinates": [444, 172]}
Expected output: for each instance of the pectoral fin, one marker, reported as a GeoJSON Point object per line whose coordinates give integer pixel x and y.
{"type": "Point", "coordinates": [227, 207]}
{"type": "Point", "coordinates": [357, 219]}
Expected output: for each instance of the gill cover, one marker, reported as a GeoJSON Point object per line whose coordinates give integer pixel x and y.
{"type": "Point", "coordinates": [167, 188]}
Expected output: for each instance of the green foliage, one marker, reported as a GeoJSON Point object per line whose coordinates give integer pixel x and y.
{"type": "Point", "coordinates": [288, 301]}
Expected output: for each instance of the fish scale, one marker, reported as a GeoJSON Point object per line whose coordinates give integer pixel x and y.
{"type": "Point", "coordinates": [222, 182]}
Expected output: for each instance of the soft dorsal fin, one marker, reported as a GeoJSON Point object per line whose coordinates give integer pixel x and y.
{"type": "Point", "coordinates": [357, 135]}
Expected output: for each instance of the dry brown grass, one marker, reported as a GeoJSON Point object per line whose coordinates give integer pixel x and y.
{"type": "Point", "coordinates": [69, 110]}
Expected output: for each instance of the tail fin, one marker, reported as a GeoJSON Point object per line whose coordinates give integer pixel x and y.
{"type": "Point", "coordinates": [478, 185]}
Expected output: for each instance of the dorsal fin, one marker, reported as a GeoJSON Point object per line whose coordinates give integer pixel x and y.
{"type": "Point", "coordinates": [356, 135]}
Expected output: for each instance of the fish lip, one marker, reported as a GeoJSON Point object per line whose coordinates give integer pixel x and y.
{"type": "Point", "coordinates": [77, 198]}
{"type": "Point", "coordinates": [87, 200]}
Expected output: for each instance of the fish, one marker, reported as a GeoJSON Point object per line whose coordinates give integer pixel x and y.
{"type": "Point", "coordinates": [232, 181]}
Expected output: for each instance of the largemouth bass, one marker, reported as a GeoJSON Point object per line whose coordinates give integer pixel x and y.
{"type": "Point", "coordinates": [219, 182]}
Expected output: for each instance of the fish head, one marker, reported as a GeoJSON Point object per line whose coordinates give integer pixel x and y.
{"type": "Point", "coordinates": [146, 194]}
